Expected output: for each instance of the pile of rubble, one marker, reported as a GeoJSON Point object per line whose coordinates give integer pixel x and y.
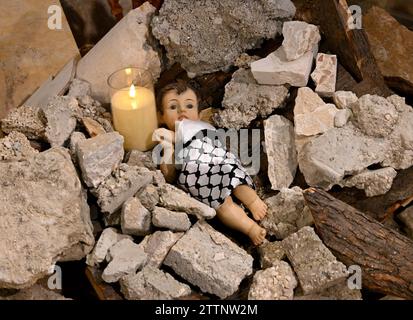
{"type": "Point", "coordinates": [153, 238]}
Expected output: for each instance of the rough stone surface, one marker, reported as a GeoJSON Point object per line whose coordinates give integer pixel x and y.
{"type": "Point", "coordinates": [406, 217]}
{"type": "Point", "coordinates": [41, 197]}
{"type": "Point", "coordinates": [342, 117]}
{"type": "Point", "coordinates": [245, 100]}
{"type": "Point", "coordinates": [339, 291]}
{"type": "Point", "coordinates": [344, 99]}
{"type": "Point", "coordinates": [158, 244]}
{"type": "Point", "coordinates": [120, 186]}
{"type": "Point", "coordinates": [26, 120]}
{"type": "Point", "coordinates": [172, 220]}
{"type": "Point", "coordinates": [275, 283]}
{"type": "Point", "coordinates": [158, 178]}
{"type": "Point", "coordinates": [325, 74]}
{"type": "Point", "coordinates": [311, 115]}
{"type": "Point", "coordinates": [270, 253]}
{"type": "Point", "coordinates": [299, 38]}
{"type": "Point", "coordinates": [208, 36]}
{"type": "Point", "coordinates": [60, 119]}
{"type": "Point", "coordinates": [149, 197]}
{"type": "Point", "coordinates": [153, 284]}
{"type": "Point", "coordinates": [135, 219]}
{"type": "Point", "coordinates": [99, 156]}
{"type": "Point", "coordinates": [93, 127]}
{"type": "Point", "coordinates": [141, 159]}
{"type": "Point", "coordinates": [75, 138]}
{"type": "Point", "coordinates": [275, 69]}
{"type": "Point", "coordinates": [315, 266]}
{"type": "Point", "coordinates": [175, 199]}
{"type": "Point", "coordinates": [209, 260]}
{"type": "Point", "coordinates": [286, 214]}
{"type": "Point", "coordinates": [91, 108]}
{"type": "Point", "coordinates": [36, 292]}
{"type": "Point", "coordinates": [125, 258]}
{"type": "Point", "coordinates": [15, 147]}
{"type": "Point", "coordinates": [127, 43]}
{"type": "Point", "coordinates": [79, 88]}
{"type": "Point", "coordinates": [107, 239]}
{"type": "Point", "coordinates": [281, 152]}
{"type": "Point", "coordinates": [245, 60]}
{"type": "Point", "coordinates": [374, 182]}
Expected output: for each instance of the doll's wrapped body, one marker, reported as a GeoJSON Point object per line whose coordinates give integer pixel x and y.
{"type": "Point", "coordinates": [202, 166]}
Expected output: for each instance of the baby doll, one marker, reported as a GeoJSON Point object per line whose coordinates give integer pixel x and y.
{"type": "Point", "coordinates": [208, 172]}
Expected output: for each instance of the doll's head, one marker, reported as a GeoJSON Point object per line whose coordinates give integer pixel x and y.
{"type": "Point", "coordinates": [177, 101]}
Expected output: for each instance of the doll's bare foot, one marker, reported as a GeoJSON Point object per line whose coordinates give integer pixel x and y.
{"type": "Point", "coordinates": [258, 208]}
{"type": "Point", "coordinates": [257, 234]}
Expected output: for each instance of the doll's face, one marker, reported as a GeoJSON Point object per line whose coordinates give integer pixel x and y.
{"type": "Point", "coordinates": [179, 106]}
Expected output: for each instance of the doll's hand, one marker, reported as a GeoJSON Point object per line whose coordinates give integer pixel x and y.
{"type": "Point", "coordinates": [164, 136]}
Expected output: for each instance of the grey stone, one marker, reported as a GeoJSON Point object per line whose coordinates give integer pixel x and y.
{"type": "Point", "coordinates": [149, 197]}
{"type": "Point", "coordinates": [286, 214]}
{"type": "Point", "coordinates": [44, 217]}
{"type": "Point", "coordinates": [141, 159]}
{"type": "Point", "coordinates": [16, 147]}
{"type": "Point", "coordinates": [344, 99]}
{"type": "Point", "coordinates": [99, 156]}
{"type": "Point", "coordinates": [158, 244]}
{"type": "Point", "coordinates": [340, 291]}
{"type": "Point", "coordinates": [245, 100]}
{"type": "Point", "coordinates": [153, 284]}
{"type": "Point", "coordinates": [270, 253]}
{"type": "Point", "coordinates": [75, 138]}
{"type": "Point", "coordinates": [275, 283]}
{"type": "Point", "coordinates": [406, 217]}
{"type": "Point", "coordinates": [27, 120]}
{"type": "Point", "coordinates": [125, 257]}
{"type": "Point", "coordinates": [315, 266]}
{"type": "Point", "coordinates": [107, 239]}
{"type": "Point", "coordinates": [35, 292]}
{"type": "Point", "coordinates": [209, 260]}
{"type": "Point", "coordinates": [208, 36]}
{"type": "Point", "coordinates": [91, 108]}
{"type": "Point", "coordinates": [135, 218]}
{"type": "Point", "coordinates": [79, 88]}
{"type": "Point", "coordinates": [299, 38]}
{"type": "Point", "coordinates": [244, 61]}
{"type": "Point", "coordinates": [342, 117]}
{"type": "Point", "coordinates": [123, 184]}
{"type": "Point", "coordinates": [172, 220]}
{"type": "Point", "coordinates": [175, 199]}
{"type": "Point", "coordinates": [158, 178]}
{"type": "Point", "coordinates": [281, 152]}
{"type": "Point", "coordinates": [325, 74]}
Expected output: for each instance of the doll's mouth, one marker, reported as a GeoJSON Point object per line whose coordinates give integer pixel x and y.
{"type": "Point", "coordinates": [182, 117]}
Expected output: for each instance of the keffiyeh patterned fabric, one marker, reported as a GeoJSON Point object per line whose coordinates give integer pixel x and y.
{"type": "Point", "coordinates": [209, 172]}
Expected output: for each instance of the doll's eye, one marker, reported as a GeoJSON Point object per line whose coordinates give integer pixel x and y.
{"type": "Point", "coordinates": [189, 106]}
{"type": "Point", "coordinates": [172, 106]}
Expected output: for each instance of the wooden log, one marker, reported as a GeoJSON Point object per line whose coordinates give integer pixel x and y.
{"type": "Point", "coordinates": [384, 255]}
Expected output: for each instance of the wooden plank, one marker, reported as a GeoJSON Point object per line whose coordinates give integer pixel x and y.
{"type": "Point", "coordinates": [103, 290]}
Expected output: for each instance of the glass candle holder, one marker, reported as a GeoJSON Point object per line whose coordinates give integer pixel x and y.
{"type": "Point", "coordinates": [133, 107]}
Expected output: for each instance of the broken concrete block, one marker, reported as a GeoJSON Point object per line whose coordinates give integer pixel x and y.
{"type": "Point", "coordinates": [244, 61]}
{"type": "Point", "coordinates": [125, 257]}
{"type": "Point", "coordinates": [149, 197]}
{"type": "Point", "coordinates": [315, 266]}
{"type": "Point", "coordinates": [275, 69]}
{"type": "Point", "coordinates": [123, 184]}
{"type": "Point", "coordinates": [99, 156]}
{"type": "Point", "coordinates": [127, 43]}
{"type": "Point", "coordinates": [158, 178]}
{"type": "Point", "coordinates": [344, 99]}
{"type": "Point", "coordinates": [61, 122]}
{"type": "Point", "coordinates": [209, 260]}
{"type": "Point", "coordinates": [275, 283]}
{"type": "Point", "coordinates": [375, 116]}
{"type": "Point", "coordinates": [325, 74]}
{"type": "Point", "coordinates": [141, 159]}
{"type": "Point", "coordinates": [91, 108]}
{"type": "Point", "coordinates": [374, 182]}
{"type": "Point", "coordinates": [75, 138]}
{"type": "Point", "coordinates": [281, 152]}
{"type": "Point", "coordinates": [16, 147]}
{"type": "Point", "coordinates": [107, 239]}
{"type": "Point", "coordinates": [41, 197]}
{"type": "Point", "coordinates": [406, 216]}
{"type": "Point", "coordinates": [172, 220]}
{"type": "Point", "coordinates": [342, 117]}
{"type": "Point", "coordinates": [340, 291]}
{"type": "Point", "coordinates": [245, 100]}
{"type": "Point", "coordinates": [270, 253]}
{"type": "Point", "coordinates": [158, 244]}
{"type": "Point", "coordinates": [26, 120]}
{"type": "Point", "coordinates": [286, 213]}
{"type": "Point", "coordinates": [216, 32]}
{"type": "Point", "coordinates": [79, 88]}
{"type": "Point", "coordinates": [135, 219]}
{"type": "Point", "coordinates": [299, 38]}
{"type": "Point", "coordinates": [106, 124]}
{"type": "Point", "coordinates": [93, 127]}
{"type": "Point", "coordinates": [35, 292]}
{"type": "Point", "coordinates": [311, 115]}
{"type": "Point", "coordinates": [175, 199]}
{"type": "Point", "coordinates": [152, 284]}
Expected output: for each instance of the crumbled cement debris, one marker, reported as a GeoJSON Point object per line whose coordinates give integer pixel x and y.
{"type": "Point", "coordinates": [270, 253]}
{"type": "Point", "coordinates": [15, 147]}
{"type": "Point", "coordinates": [93, 127]}
{"type": "Point", "coordinates": [79, 88]}
{"type": "Point", "coordinates": [344, 99]}
{"type": "Point", "coordinates": [149, 197]}
{"type": "Point", "coordinates": [342, 117]}
{"type": "Point", "coordinates": [172, 220]}
{"type": "Point", "coordinates": [325, 74]}
{"type": "Point", "coordinates": [141, 159]}
{"type": "Point", "coordinates": [299, 38]}
{"type": "Point", "coordinates": [75, 138]}
{"type": "Point", "coordinates": [244, 61]}
{"type": "Point", "coordinates": [135, 218]}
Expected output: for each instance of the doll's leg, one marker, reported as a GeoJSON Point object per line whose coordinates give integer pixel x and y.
{"type": "Point", "coordinates": [251, 200]}
{"type": "Point", "coordinates": [234, 217]}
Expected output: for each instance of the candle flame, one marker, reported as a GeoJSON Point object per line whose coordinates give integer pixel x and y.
{"type": "Point", "coordinates": [132, 91]}
{"type": "Point", "coordinates": [128, 71]}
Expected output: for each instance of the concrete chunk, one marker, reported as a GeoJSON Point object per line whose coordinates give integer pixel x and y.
{"type": "Point", "coordinates": [75, 138]}
{"type": "Point", "coordinates": [342, 117]}
{"type": "Point", "coordinates": [172, 220]}
{"type": "Point", "coordinates": [209, 260]}
{"type": "Point", "coordinates": [153, 284]}
{"type": "Point", "coordinates": [270, 253]}
{"type": "Point", "coordinates": [27, 120]}
{"type": "Point", "coordinates": [15, 147]}
{"type": "Point", "coordinates": [275, 283]}
{"type": "Point", "coordinates": [135, 218]}
{"type": "Point", "coordinates": [149, 197]}
{"type": "Point", "coordinates": [344, 99]}
{"type": "Point", "coordinates": [125, 258]}
{"type": "Point", "coordinates": [299, 38]}
{"type": "Point", "coordinates": [315, 266]}
{"type": "Point", "coordinates": [141, 159]}
{"type": "Point", "coordinates": [325, 74]}
{"type": "Point", "coordinates": [79, 88]}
